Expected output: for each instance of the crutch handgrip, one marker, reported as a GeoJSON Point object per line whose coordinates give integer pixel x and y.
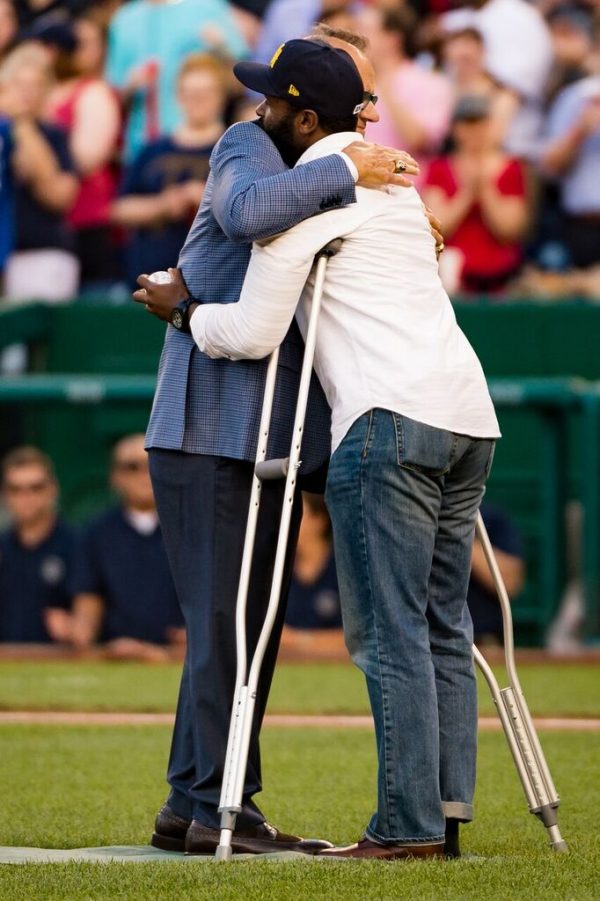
{"type": "Point", "coordinates": [269, 470]}
{"type": "Point", "coordinates": [330, 249]}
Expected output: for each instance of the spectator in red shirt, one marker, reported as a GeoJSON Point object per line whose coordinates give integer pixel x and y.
{"type": "Point", "coordinates": [86, 107]}
{"type": "Point", "coordinates": [480, 194]}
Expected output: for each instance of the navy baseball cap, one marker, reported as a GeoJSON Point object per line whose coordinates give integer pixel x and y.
{"type": "Point", "coordinates": [55, 32]}
{"type": "Point", "coordinates": [309, 75]}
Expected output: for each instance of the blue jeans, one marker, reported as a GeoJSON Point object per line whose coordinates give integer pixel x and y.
{"type": "Point", "coordinates": [403, 499]}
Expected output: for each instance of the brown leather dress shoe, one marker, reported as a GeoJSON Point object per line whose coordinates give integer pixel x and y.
{"type": "Point", "coordinates": [170, 830]}
{"type": "Point", "coordinates": [261, 839]}
{"type": "Point", "coordinates": [366, 849]}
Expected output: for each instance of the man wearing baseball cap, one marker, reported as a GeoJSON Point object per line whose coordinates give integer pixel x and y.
{"type": "Point", "coordinates": [202, 432]}
{"type": "Point", "coordinates": [305, 76]}
{"type": "Point", "coordinates": [413, 433]}
{"type": "Point", "coordinates": [308, 75]}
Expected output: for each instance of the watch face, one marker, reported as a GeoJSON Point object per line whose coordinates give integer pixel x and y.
{"type": "Point", "coordinates": [177, 319]}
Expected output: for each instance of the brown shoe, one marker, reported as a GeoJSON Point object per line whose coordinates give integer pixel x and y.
{"type": "Point", "coordinates": [170, 830]}
{"type": "Point", "coordinates": [261, 839]}
{"type": "Point", "coordinates": [365, 848]}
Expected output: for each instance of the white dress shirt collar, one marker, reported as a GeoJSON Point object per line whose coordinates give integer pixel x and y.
{"type": "Point", "coordinates": [328, 145]}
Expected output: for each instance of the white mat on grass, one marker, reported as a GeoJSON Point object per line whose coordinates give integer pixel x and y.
{"type": "Point", "coordinates": [126, 854]}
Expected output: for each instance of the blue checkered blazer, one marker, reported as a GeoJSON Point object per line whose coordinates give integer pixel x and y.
{"type": "Point", "coordinates": [205, 406]}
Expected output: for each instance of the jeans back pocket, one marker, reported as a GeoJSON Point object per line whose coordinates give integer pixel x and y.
{"type": "Point", "coordinates": [424, 448]}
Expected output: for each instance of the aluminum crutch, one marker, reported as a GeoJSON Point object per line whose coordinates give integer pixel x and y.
{"type": "Point", "coordinates": [236, 758]}
{"type": "Point", "coordinates": [514, 714]}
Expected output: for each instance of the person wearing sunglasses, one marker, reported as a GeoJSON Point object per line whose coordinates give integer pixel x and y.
{"type": "Point", "coordinates": [36, 552]}
{"type": "Point", "coordinates": [202, 438]}
{"type": "Point", "coordinates": [124, 593]}
{"type": "Point", "coordinates": [412, 438]}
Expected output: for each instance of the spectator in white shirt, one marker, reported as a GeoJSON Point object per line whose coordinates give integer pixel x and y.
{"type": "Point", "coordinates": [517, 41]}
{"type": "Point", "coordinates": [463, 57]}
{"type": "Point", "coordinates": [518, 54]}
{"type": "Point", "coordinates": [573, 40]}
{"type": "Point", "coordinates": [413, 435]}
{"type": "Point", "coordinates": [572, 153]}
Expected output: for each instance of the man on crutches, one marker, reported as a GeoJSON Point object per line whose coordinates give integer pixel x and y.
{"type": "Point", "coordinates": [202, 440]}
{"type": "Point", "coordinates": [413, 431]}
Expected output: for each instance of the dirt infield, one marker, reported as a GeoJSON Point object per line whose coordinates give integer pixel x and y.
{"type": "Point", "coordinates": [83, 718]}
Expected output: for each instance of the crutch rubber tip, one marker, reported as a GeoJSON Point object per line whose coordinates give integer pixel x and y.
{"type": "Point", "coordinates": [223, 853]}
{"type": "Point", "coordinates": [560, 847]}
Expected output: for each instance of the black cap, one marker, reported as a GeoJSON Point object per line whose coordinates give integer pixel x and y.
{"type": "Point", "coordinates": [578, 18]}
{"type": "Point", "coordinates": [55, 32]}
{"type": "Point", "coordinates": [309, 75]}
{"type": "Point", "coordinates": [256, 7]}
{"type": "Point", "coordinates": [471, 108]}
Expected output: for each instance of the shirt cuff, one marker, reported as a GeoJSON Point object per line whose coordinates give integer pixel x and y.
{"type": "Point", "coordinates": [197, 326]}
{"type": "Point", "coordinates": [350, 164]}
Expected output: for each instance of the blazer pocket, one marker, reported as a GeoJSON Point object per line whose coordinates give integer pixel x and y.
{"type": "Point", "coordinates": [423, 448]}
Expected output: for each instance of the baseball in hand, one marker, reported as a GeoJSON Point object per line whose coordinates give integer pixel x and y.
{"type": "Point", "coordinates": [161, 277]}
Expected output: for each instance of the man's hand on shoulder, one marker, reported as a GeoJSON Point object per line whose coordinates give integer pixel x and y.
{"type": "Point", "coordinates": [435, 227]}
{"type": "Point", "coordinates": [160, 299]}
{"type": "Point", "coordinates": [377, 165]}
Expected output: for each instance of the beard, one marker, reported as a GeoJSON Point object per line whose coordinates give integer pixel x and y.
{"type": "Point", "coordinates": [282, 135]}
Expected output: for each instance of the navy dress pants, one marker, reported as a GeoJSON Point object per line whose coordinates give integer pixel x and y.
{"type": "Point", "coordinates": [202, 504]}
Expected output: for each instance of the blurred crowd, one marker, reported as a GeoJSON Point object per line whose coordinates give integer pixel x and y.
{"type": "Point", "coordinates": [108, 583]}
{"type": "Point", "coordinates": [109, 111]}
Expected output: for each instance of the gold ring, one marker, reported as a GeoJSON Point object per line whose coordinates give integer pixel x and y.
{"type": "Point", "coordinates": [399, 167]}
{"type": "Point", "coordinates": [440, 248]}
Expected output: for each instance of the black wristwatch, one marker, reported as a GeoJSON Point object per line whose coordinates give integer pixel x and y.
{"type": "Point", "coordinates": [180, 315]}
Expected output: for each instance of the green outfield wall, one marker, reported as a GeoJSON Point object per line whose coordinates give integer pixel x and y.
{"type": "Point", "coordinates": [91, 379]}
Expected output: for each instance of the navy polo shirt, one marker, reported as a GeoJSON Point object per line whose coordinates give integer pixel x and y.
{"type": "Point", "coordinates": [7, 218]}
{"type": "Point", "coordinates": [484, 604]}
{"type": "Point", "coordinates": [33, 579]}
{"type": "Point", "coordinates": [315, 606]}
{"type": "Point", "coordinates": [159, 165]}
{"type": "Point", "coordinates": [129, 570]}
{"type": "Point", "coordinates": [38, 226]}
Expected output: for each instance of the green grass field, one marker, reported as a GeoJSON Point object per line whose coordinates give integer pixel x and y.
{"type": "Point", "coordinates": [298, 688]}
{"type": "Point", "coordinates": [76, 786]}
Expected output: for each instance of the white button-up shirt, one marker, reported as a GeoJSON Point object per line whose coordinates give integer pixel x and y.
{"type": "Point", "coordinates": [387, 334]}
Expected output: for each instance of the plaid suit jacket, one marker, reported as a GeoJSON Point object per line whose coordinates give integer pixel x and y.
{"type": "Point", "coordinates": [205, 406]}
